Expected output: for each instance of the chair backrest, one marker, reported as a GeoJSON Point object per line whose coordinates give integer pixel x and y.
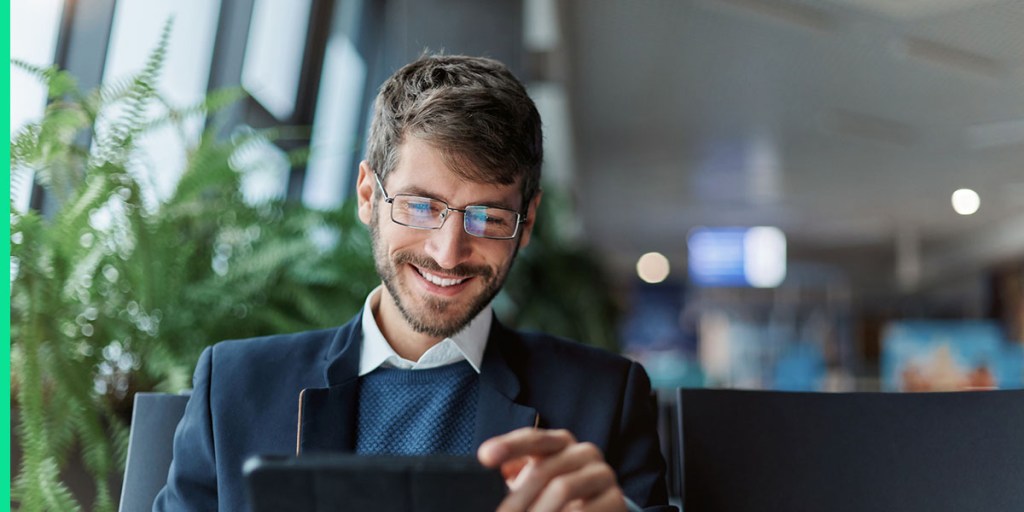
{"type": "Point", "coordinates": [756, 450]}
{"type": "Point", "coordinates": [154, 418]}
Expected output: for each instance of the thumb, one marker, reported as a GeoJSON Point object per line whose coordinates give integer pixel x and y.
{"type": "Point", "coordinates": [511, 469]}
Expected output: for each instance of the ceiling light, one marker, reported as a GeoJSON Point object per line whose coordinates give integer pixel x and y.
{"type": "Point", "coordinates": [966, 201]}
{"type": "Point", "coordinates": [652, 267]}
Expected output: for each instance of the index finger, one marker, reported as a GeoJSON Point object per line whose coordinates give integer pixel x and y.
{"type": "Point", "coordinates": [523, 442]}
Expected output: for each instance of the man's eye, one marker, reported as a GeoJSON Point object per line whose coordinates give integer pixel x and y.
{"type": "Point", "coordinates": [422, 208]}
{"type": "Point", "coordinates": [496, 220]}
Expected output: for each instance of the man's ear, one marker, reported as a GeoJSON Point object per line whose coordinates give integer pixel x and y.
{"type": "Point", "coordinates": [531, 219]}
{"type": "Point", "coordinates": [364, 192]}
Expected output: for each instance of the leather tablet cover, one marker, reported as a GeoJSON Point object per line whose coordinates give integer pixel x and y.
{"type": "Point", "coordinates": [342, 482]}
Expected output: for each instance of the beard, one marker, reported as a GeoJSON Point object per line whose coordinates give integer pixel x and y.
{"type": "Point", "coordinates": [434, 316]}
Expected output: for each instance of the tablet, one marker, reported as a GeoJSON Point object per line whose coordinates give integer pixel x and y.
{"type": "Point", "coordinates": [342, 482]}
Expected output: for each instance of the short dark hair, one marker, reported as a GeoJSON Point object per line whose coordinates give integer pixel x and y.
{"type": "Point", "coordinates": [472, 109]}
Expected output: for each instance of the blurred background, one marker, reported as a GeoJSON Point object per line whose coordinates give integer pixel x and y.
{"type": "Point", "coordinates": [771, 194]}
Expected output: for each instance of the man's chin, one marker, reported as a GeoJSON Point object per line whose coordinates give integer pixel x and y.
{"type": "Point", "coordinates": [439, 317]}
{"type": "Point", "coordinates": [431, 327]}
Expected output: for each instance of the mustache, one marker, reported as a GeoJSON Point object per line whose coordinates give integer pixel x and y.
{"type": "Point", "coordinates": [463, 270]}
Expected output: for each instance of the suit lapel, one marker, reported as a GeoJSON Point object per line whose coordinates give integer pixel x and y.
{"type": "Point", "coordinates": [497, 411]}
{"type": "Point", "coordinates": [326, 419]}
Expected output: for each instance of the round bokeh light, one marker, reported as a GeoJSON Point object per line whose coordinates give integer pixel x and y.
{"type": "Point", "coordinates": [652, 267]}
{"type": "Point", "coordinates": [966, 201]}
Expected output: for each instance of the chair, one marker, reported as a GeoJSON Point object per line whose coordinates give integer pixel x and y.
{"type": "Point", "coordinates": [154, 418]}
{"type": "Point", "coordinates": [758, 450]}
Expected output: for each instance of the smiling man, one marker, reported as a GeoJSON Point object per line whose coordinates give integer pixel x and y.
{"type": "Point", "coordinates": [449, 190]}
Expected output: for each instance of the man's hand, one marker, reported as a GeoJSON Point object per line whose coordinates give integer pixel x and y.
{"type": "Point", "coordinates": [548, 470]}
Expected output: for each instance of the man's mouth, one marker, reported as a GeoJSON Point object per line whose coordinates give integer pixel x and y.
{"type": "Point", "coordinates": [441, 281]}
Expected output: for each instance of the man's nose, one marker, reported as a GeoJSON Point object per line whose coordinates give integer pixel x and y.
{"type": "Point", "coordinates": [450, 245]}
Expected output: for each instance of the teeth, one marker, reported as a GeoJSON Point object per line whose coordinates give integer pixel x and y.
{"type": "Point", "coordinates": [440, 281]}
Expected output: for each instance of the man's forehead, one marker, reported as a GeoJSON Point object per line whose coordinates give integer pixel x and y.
{"type": "Point", "coordinates": [453, 187]}
{"type": "Point", "coordinates": [425, 169]}
{"type": "Point", "coordinates": [463, 163]}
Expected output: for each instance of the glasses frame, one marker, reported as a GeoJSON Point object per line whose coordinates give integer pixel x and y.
{"type": "Point", "coordinates": [520, 217]}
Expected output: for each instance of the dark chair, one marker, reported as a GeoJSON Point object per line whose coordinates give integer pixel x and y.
{"type": "Point", "coordinates": [859, 452]}
{"type": "Point", "coordinates": [154, 418]}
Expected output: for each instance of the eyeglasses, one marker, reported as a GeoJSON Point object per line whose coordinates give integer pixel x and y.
{"type": "Point", "coordinates": [428, 213]}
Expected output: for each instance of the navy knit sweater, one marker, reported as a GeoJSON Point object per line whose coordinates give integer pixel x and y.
{"type": "Point", "coordinates": [416, 412]}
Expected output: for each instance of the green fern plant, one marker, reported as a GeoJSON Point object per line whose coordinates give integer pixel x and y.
{"type": "Point", "coordinates": [115, 293]}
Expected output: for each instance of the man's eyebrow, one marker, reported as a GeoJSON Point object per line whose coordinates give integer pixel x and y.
{"type": "Point", "coordinates": [418, 191]}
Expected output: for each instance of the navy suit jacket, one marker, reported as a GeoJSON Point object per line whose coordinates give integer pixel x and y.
{"type": "Point", "coordinates": [297, 393]}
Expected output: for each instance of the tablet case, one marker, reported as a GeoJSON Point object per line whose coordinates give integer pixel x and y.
{"type": "Point", "coordinates": [343, 482]}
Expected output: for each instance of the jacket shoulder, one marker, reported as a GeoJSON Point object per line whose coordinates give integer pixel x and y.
{"type": "Point", "coordinates": [276, 344]}
{"type": "Point", "coordinates": [566, 352]}
{"type": "Point", "coordinates": [275, 355]}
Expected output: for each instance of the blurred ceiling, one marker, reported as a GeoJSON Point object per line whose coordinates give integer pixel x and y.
{"type": "Point", "coordinates": [846, 123]}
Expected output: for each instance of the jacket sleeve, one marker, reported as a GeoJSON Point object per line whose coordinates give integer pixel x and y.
{"type": "Point", "coordinates": [192, 477]}
{"type": "Point", "coordinates": [638, 461]}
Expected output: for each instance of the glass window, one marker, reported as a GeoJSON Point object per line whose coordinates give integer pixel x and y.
{"type": "Point", "coordinates": [35, 25]}
{"type": "Point", "coordinates": [183, 80]}
{"type": "Point", "coordinates": [265, 168]}
{"type": "Point", "coordinates": [273, 54]}
{"type": "Point", "coordinates": [335, 131]}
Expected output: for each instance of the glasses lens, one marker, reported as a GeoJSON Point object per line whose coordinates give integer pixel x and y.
{"type": "Point", "coordinates": [491, 222]}
{"type": "Point", "coordinates": [418, 212]}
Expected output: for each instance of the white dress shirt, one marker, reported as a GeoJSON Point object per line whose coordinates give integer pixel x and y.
{"type": "Point", "coordinates": [466, 345]}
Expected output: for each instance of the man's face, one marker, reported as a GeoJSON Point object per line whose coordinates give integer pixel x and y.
{"type": "Point", "coordinates": [437, 279]}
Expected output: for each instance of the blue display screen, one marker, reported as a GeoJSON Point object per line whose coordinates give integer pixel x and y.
{"type": "Point", "coordinates": [716, 256]}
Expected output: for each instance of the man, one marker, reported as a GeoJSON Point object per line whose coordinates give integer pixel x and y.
{"type": "Point", "coordinates": [449, 190]}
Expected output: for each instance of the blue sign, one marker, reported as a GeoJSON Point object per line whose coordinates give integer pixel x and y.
{"type": "Point", "coordinates": [737, 256]}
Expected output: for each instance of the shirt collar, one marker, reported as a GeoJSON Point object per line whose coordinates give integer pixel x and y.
{"type": "Point", "coordinates": [465, 345]}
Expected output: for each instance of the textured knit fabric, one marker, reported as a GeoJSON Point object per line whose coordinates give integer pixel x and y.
{"type": "Point", "coordinates": [410, 412]}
